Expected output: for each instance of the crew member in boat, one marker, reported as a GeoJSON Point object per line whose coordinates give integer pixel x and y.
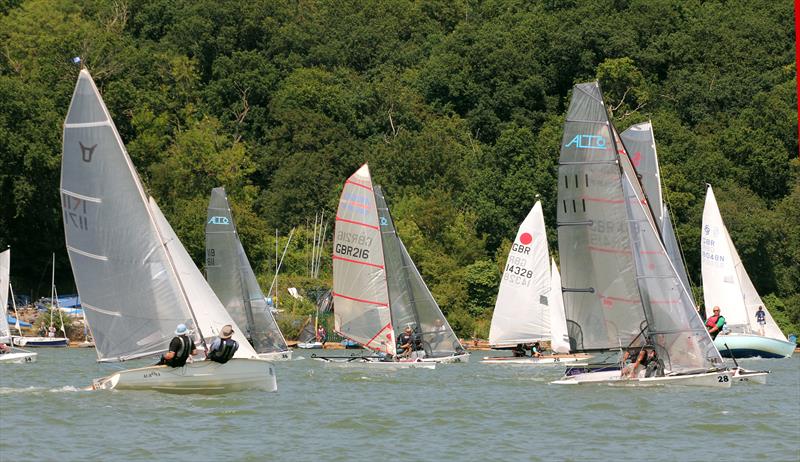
{"type": "Point", "coordinates": [536, 350]}
{"type": "Point", "coordinates": [647, 358]}
{"type": "Point", "coordinates": [761, 319]}
{"type": "Point", "coordinates": [224, 347]}
{"type": "Point", "coordinates": [519, 351]}
{"type": "Point", "coordinates": [4, 348]}
{"type": "Point", "coordinates": [180, 348]}
{"type": "Point", "coordinates": [406, 342]}
{"type": "Point", "coordinates": [715, 323]}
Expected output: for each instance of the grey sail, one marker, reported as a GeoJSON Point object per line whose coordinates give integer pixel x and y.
{"type": "Point", "coordinates": [5, 269]}
{"type": "Point", "coordinates": [230, 275]}
{"type": "Point", "coordinates": [673, 325]}
{"type": "Point", "coordinates": [410, 301]}
{"type": "Point", "coordinates": [640, 144]}
{"type": "Point", "coordinates": [601, 298]}
{"type": "Point", "coordinates": [113, 243]}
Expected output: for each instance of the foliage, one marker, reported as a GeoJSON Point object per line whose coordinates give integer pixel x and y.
{"type": "Point", "coordinates": [458, 107]}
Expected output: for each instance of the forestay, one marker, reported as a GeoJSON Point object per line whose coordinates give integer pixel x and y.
{"type": "Point", "coordinates": [411, 303]}
{"type": "Point", "coordinates": [359, 275]}
{"type": "Point", "coordinates": [230, 275]}
{"type": "Point", "coordinates": [725, 281]}
{"type": "Point", "coordinates": [601, 297]}
{"type": "Point", "coordinates": [128, 288]}
{"type": "Point", "coordinates": [523, 306]}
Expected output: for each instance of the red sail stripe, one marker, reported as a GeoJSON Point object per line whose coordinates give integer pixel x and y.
{"type": "Point", "coordinates": [358, 184]}
{"type": "Point", "coordinates": [387, 326]}
{"type": "Point", "coordinates": [651, 252]}
{"type": "Point", "coordinates": [357, 204]}
{"type": "Point", "coordinates": [357, 262]}
{"type": "Point", "coordinates": [369, 302]}
{"type": "Point", "coordinates": [607, 249]}
{"type": "Point", "coordinates": [338, 218]}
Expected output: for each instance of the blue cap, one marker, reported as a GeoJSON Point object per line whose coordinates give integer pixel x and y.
{"type": "Point", "coordinates": [181, 329]}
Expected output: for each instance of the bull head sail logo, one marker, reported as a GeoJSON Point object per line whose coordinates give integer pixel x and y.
{"type": "Point", "coordinates": [87, 153]}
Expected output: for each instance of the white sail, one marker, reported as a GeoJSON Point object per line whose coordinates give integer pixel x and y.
{"type": "Point", "coordinates": [523, 306]}
{"type": "Point", "coordinates": [725, 280]}
{"type": "Point", "coordinates": [559, 338]}
{"type": "Point", "coordinates": [359, 276]}
{"type": "Point", "coordinates": [210, 314]}
{"type": "Point", "coordinates": [5, 270]}
{"type": "Point", "coordinates": [127, 285]}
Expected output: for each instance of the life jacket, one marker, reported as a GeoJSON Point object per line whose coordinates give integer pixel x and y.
{"type": "Point", "coordinates": [712, 321]}
{"type": "Point", "coordinates": [179, 360]}
{"type": "Point", "coordinates": [223, 354]}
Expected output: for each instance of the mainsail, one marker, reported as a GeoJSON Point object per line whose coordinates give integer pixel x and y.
{"type": "Point", "coordinates": [524, 299]}
{"type": "Point", "coordinates": [359, 275]}
{"type": "Point", "coordinates": [5, 270]}
{"type": "Point", "coordinates": [601, 298]}
{"type": "Point", "coordinates": [230, 275]}
{"type": "Point", "coordinates": [130, 288]}
{"type": "Point", "coordinates": [410, 301]}
{"type": "Point", "coordinates": [725, 281]}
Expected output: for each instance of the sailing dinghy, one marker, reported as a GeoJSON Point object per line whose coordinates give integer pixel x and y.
{"type": "Point", "coordinates": [529, 306]}
{"type": "Point", "coordinates": [376, 286]}
{"type": "Point", "coordinates": [50, 340]}
{"type": "Point", "coordinates": [727, 285]}
{"type": "Point", "coordinates": [135, 279]}
{"type": "Point", "coordinates": [229, 273]}
{"type": "Point", "coordinates": [14, 355]}
{"type": "Point", "coordinates": [619, 282]}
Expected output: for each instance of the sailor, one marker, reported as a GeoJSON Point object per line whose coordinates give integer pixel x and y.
{"type": "Point", "coordinates": [4, 349]}
{"type": "Point", "coordinates": [180, 348]}
{"type": "Point", "coordinates": [761, 319]}
{"type": "Point", "coordinates": [322, 335]}
{"type": "Point", "coordinates": [405, 341]}
{"type": "Point", "coordinates": [536, 350]}
{"type": "Point", "coordinates": [649, 360]}
{"type": "Point", "coordinates": [224, 347]}
{"type": "Point", "coordinates": [519, 350]}
{"type": "Point", "coordinates": [715, 323]}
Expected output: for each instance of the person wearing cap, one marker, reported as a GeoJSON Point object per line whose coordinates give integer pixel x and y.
{"type": "Point", "coordinates": [180, 348]}
{"type": "Point", "coordinates": [224, 347]}
{"type": "Point", "coordinates": [405, 342]}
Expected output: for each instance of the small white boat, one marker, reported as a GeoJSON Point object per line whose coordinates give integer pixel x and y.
{"type": "Point", "coordinates": [545, 360]}
{"type": "Point", "coordinates": [40, 341]}
{"type": "Point", "coordinates": [229, 273]}
{"type": "Point", "coordinates": [374, 362]}
{"type": "Point", "coordinates": [18, 356]}
{"type": "Point", "coordinates": [206, 377]}
{"type": "Point", "coordinates": [727, 285]}
{"type": "Point", "coordinates": [621, 283]}
{"type": "Point", "coordinates": [135, 279]}
{"type": "Point", "coordinates": [310, 345]}
{"type": "Point", "coordinates": [378, 289]}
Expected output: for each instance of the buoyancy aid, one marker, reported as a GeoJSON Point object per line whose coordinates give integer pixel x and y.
{"type": "Point", "coordinates": [179, 360]}
{"type": "Point", "coordinates": [223, 354]}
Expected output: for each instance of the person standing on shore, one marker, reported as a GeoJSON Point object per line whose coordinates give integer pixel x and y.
{"type": "Point", "coordinates": [761, 319]}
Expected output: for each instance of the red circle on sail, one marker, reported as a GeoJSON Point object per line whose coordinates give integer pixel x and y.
{"type": "Point", "coordinates": [526, 239]}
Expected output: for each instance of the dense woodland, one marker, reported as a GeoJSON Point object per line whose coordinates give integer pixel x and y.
{"type": "Point", "coordinates": [457, 105]}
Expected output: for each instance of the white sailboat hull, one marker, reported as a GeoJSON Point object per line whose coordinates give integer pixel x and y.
{"type": "Point", "coordinates": [720, 379]}
{"type": "Point", "coordinates": [198, 377]}
{"type": "Point", "coordinates": [554, 360]}
{"type": "Point", "coordinates": [753, 346]}
{"type": "Point", "coordinates": [463, 358]}
{"type": "Point", "coordinates": [18, 357]}
{"type": "Point", "coordinates": [374, 363]}
{"type": "Point", "coordinates": [747, 376]}
{"type": "Point", "coordinates": [276, 356]}
{"type": "Point", "coordinates": [40, 341]}
{"type": "Point", "coordinates": [310, 345]}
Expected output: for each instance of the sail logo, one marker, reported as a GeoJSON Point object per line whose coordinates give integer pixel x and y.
{"type": "Point", "coordinates": [87, 153]}
{"type": "Point", "coordinates": [219, 221]}
{"type": "Point", "coordinates": [707, 230]}
{"type": "Point", "coordinates": [384, 221]}
{"type": "Point", "coordinates": [588, 142]}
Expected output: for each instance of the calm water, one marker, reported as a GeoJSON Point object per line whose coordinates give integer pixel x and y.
{"type": "Point", "coordinates": [327, 413]}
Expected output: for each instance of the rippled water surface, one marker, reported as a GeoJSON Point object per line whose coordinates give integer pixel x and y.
{"type": "Point", "coordinates": [472, 412]}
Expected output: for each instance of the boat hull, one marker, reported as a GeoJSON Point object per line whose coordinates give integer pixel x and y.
{"type": "Point", "coordinates": [747, 376]}
{"type": "Point", "coordinates": [375, 363]}
{"type": "Point", "coordinates": [310, 345]}
{"type": "Point", "coordinates": [753, 346]}
{"type": "Point", "coordinates": [542, 361]}
{"type": "Point", "coordinates": [41, 341]}
{"type": "Point", "coordinates": [276, 356]}
{"type": "Point", "coordinates": [206, 377]}
{"type": "Point", "coordinates": [719, 379]}
{"type": "Point", "coordinates": [464, 358]}
{"type": "Point", "coordinates": [19, 357]}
